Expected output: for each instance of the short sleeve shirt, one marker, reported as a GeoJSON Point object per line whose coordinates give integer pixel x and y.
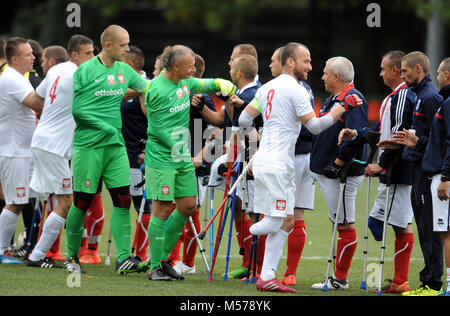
{"type": "Point", "coordinates": [17, 122]}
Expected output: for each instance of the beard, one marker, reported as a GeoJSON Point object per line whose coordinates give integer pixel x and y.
{"type": "Point", "coordinates": [301, 76]}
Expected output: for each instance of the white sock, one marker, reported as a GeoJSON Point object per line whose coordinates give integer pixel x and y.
{"type": "Point", "coordinates": [8, 221]}
{"type": "Point", "coordinates": [50, 232]}
{"type": "Point", "coordinates": [448, 279]}
{"type": "Point", "coordinates": [268, 225]}
{"type": "Point", "coordinates": [272, 254]}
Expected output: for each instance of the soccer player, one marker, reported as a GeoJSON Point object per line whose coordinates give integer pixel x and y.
{"type": "Point", "coordinates": [18, 104]}
{"type": "Point", "coordinates": [52, 141]}
{"type": "Point", "coordinates": [134, 127]}
{"type": "Point", "coordinates": [285, 106]}
{"type": "Point", "coordinates": [304, 185]}
{"type": "Point", "coordinates": [441, 217]}
{"type": "Point", "coordinates": [415, 72]}
{"type": "Point", "coordinates": [169, 170]}
{"type": "Point", "coordinates": [395, 115]}
{"type": "Point", "coordinates": [99, 152]}
{"type": "Point", "coordinates": [327, 159]}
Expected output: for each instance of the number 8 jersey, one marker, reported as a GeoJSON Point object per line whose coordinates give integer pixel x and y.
{"type": "Point", "coordinates": [54, 132]}
{"type": "Point", "coordinates": [281, 102]}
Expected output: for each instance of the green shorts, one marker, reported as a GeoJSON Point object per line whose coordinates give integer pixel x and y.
{"type": "Point", "coordinates": [109, 163]}
{"type": "Point", "coordinates": [166, 185]}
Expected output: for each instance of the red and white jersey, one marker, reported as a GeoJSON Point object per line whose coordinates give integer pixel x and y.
{"type": "Point", "coordinates": [54, 132]}
{"type": "Point", "coordinates": [17, 122]}
{"type": "Point", "coordinates": [282, 101]}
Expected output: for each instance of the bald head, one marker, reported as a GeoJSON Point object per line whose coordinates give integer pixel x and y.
{"type": "Point", "coordinates": [112, 33]}
{"type": "Point", "coordinates": [115, 41]}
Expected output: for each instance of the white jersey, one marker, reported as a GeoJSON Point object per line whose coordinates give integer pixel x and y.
{"type": "Point", "coordinates": [55, 130]}
{"type": "Point", "coordinates": [282, 101]}
{"type": "Point", "coordinates": [17, 122]}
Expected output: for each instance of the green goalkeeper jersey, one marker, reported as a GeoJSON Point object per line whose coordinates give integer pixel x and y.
{"type": "Point", "coordinates": [168, 108]}
{"type": "Point", "coordinates": [97, 93]}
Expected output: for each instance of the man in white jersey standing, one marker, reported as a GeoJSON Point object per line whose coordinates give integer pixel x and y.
{"type": "Point", "coordinates": [51, 145]}
{"type": "Point", "coordinates": [17, 123]}
{"type": "Point", "coordinates": [285, 106]}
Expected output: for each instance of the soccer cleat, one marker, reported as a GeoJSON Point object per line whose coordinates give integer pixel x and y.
{"type": "Point", "coordinates": [8, 258]}
{"type": "Point", "coordinates": [444, 292]}
{"type": "Point", "coordinates": [90, 257]}
{"type": "Point", "coordinates": [72, 264]}
{"type": "Point", "coordinates": [422, 291]}
{"type": "Point", "coordinates": [158, 275]}
{"type": "Point", "coordinates": [44, 263]}
{"type": "Point", "coordinates": [20, 252]}
{"type": "Point", "coordinates": [185, 269]}
{"type": "Point", "coordinates": [130, 265]}
{"type": "Point", "coordinates": [57, 256]}
{"type": "Point", "coordinates": [289, 279]}
{"type": "Point", "coordinates": [391, 287]}
{"type": "Point", "coordinates": [169, 270]}
{"type": "Point", "coordinates": [332, 284]}
{"type": "Point", "coordinates": [238, 273]}
{"type": "Point", "coordinates": [177, 266]}
{"type": "Point", "coordinates": [273, 285]}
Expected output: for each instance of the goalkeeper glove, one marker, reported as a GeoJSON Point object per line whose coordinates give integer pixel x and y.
{"type": "Point", "coordinates": [227, 88]}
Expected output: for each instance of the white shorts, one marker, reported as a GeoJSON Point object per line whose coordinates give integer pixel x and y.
{"type": "Point", "coordinates": [274, 191]}
{"type": "Point", "coordinates": [330, 189]}
{"type": "Point", "coordinates": [15, 179]}
{"type": "Point", "coordinates": [400, 212]}
{"type": "Point", "coordinates": [304, 183]}
{"type": "Point", "coordinates": [51, 173]}
{"type": "Point", "coordinates": [250, 196]}
{"type": "Point", "coordinates": [441, 214]}
{"type": "Point", "coordinates": [136, 177]}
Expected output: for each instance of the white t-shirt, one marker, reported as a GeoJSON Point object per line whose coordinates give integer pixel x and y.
{"type": "Point", "coordinates": [17, 122]}
{"type": "Point", "coordinates": [282, 101]}
{"type": "Point", "coordinates": [55, 130]}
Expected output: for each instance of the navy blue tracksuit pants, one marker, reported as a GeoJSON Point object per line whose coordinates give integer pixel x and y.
{"type": "Point", "coordinates": [430, 242]}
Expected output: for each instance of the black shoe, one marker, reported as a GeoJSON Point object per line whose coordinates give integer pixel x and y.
{"type": "Point", "coordinates": [72, 264]}
{"type": "Point", "coordinates": [43, 263]}
{"type": "Point", "coordinates": [170, 271]}
{"type": "Point", "coordinates": [158, 275]}
{"type": "Point", "coordinates": [130, 265]}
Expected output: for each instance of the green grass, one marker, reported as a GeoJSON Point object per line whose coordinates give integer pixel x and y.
{"type": "Point", "coordinates": [102, 280]}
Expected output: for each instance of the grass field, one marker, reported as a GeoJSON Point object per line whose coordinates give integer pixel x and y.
{"type": "Point", "coordinates": [101, 280]}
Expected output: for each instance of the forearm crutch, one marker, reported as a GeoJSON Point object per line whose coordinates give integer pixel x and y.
{"type": "Point", "coordinates": [211, 235]}
{"type": "Point", "coordinates": [200, 247]}
{"type": "Point", "coordinates": [37, 211]}
{"type": "Point", "coordinates": [218, 239]}
{"type": "Point", "coordinates": [253, 254]}
{"type": "Point", "coordinates": [108, 251]}
{"type": "Point", "coordinates": [230, 233]}
{"type": "Point", "coordinates": [201, 235]}
{"type": "Point", "coordinates": [372, 140]}
{"type": "Point", "coordinates": [387, 210]}
{"type": "Point", "coordinates": [139, 219]}
{"type": "Point", "coordinates": [342, 182]}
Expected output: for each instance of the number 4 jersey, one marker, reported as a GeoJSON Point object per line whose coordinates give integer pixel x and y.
{"type": "Point", "coordinates": [54, 132]}
{"type": "Point", "coordinates": [281, 102]}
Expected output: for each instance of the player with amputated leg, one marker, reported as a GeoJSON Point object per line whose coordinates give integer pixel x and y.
{"type": "Point", "coordinates": [285, 107]}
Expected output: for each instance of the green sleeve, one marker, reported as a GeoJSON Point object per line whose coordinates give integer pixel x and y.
{"type": "Point", "coordinates": [137, 82]}
{"type": "Point", "coordinates": [206, 86]}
